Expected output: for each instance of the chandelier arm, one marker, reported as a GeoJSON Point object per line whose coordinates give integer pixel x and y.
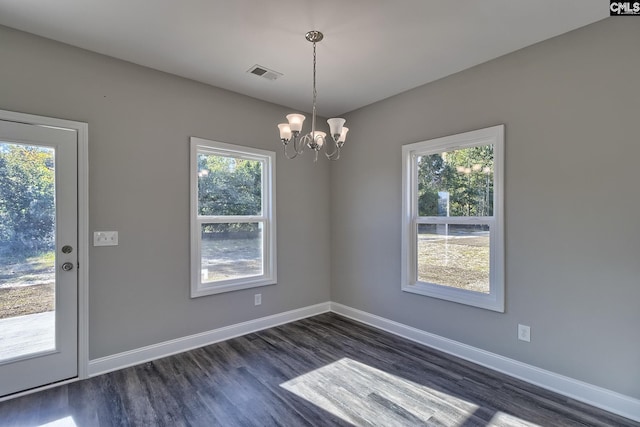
{"type": "Point", "coordinates": [336, 149]}
{"type": "Point", "coordinates": [305, 140]}
{"type": "Point", "coordinates": [333, 156]}
{"type": "Point", "coordinates": [295, 145]}
{"type": "Point", "coordinates": [298, 146]}
{"type": "Point", "coordinates": [284, 150]}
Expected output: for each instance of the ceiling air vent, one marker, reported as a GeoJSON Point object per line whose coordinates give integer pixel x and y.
{"type": "Point", "coordinates": [264, 72]}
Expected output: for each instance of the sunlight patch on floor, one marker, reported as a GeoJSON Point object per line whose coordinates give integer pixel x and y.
{"type": "Point", "coordinates": [502, 419]}
{"type": "Point", "coordinates": [363, 395]}
{"type": "Point", "coordinates": [62, 422]}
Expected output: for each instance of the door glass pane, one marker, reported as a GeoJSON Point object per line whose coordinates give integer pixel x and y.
{"type": "Point", "coordinates": [454, 255]}
{"type": "Point", "coordinates": [456, 183]}
{"type": "Point", "coordinates": [27, 250]}
{"type": "Point", "coordinates": [231, 251]}
{"type": "Point", "coordinates": [229, 185]}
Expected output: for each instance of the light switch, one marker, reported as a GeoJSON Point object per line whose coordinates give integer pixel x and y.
{"type": "Point", "coordinates": [105, 238]}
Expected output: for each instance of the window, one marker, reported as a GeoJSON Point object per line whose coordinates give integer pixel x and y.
{"type": "Point", "coordinates": [233, 229]}
{"type": "Point", "coordinates": [452, 238]}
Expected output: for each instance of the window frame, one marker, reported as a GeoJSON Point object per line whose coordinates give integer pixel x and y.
{"type": "Point", "coordinates": [494, 300]}
{"type": "Point", "coordinates": [267, 217]}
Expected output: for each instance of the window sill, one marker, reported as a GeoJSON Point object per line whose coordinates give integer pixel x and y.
{"type": "Point", "coordinates": [461, 296]}
{"type": "Point", "coordinates": [223, 287]}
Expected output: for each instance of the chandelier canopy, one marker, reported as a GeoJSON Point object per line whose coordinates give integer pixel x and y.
{"type": "Point", "coordinates": [291, 132]}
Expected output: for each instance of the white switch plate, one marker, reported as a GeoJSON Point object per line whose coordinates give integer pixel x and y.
{"type": "Point", "coordinates": [524, 333]}
{"type": "Point", "coordinates": [257, 299]}
{"type": "Point", "coordinates": [105, 238]}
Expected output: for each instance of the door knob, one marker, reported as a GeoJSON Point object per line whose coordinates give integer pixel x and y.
{"type": "Point", "coordinates": [67, 266]}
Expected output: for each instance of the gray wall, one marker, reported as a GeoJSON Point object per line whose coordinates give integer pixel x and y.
{"type": "Point", "coordinates": [140, 121]}
{"type": "Point", "coordinates": [571, 107]}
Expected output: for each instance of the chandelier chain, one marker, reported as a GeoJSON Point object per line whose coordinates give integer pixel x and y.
{"type": "Point", "coordinates": [315, 93]}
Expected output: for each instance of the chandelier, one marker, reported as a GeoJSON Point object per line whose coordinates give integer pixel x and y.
{"type": "Point", "coordinates": [315, 140]}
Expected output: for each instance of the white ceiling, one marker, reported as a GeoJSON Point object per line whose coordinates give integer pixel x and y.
{"type": "Point", "coordinates": [372, 49]}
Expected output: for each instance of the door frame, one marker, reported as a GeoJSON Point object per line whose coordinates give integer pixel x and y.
{"type": "Point", "coordinates": [82, 130]}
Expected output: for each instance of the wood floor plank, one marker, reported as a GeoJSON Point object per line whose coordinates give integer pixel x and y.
{"type": "Point", "coordinates": [322, 371]}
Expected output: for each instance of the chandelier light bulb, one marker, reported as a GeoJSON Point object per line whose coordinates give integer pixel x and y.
{"type": "Point", "coordinates": [285, 131]}
{"type": "Point", "coordinates": [318, 138]}
{"type": "Point", "coordinates": [295, 122]}
{"type": "Point", "coordinates": [343, 135]}
{"type": "Point", "coordinates": [335, 127]}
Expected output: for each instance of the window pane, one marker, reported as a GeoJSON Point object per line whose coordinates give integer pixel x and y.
{"type": "Point", "coordinates": [454, 255]}
{"type": "Point", "coordinates": [231, 251]}
{"type": "Point", "coordinates": [229, 185]}
{"type": "Point", "coordinates": [456, 183]}
{"type": "Point", "coordinates": [27, 250]}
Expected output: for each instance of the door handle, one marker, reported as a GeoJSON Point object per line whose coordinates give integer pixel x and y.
{"type": "Point", "coordinates": [67, 266]}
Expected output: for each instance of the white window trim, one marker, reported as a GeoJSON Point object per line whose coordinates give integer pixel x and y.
{"type": "Point", "coordinates": [268, 218]}
{"type": "Point", "coordinates": [494, 300]}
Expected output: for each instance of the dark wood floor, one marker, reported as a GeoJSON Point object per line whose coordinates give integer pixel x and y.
{"type": "Point", "coordinates": [321, 371]}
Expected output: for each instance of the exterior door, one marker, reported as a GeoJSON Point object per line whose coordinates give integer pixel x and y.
{"type": "Point", "coordinates": [38, 256]}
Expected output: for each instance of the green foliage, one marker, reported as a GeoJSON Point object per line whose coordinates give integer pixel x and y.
{"type": "Point", "coordinates": [229, 186]}
{"type": "Point", "coordinates": [27, 205]}
{"type": "Point", "coordinates": [466, 174]}
{"type": "Point", "coordinates": [432, 175]}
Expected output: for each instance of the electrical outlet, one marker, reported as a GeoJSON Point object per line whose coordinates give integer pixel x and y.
{"type": "Point", "coordinates": [257, 299]}
{"type": "Point", "coordinates": [524, 333]}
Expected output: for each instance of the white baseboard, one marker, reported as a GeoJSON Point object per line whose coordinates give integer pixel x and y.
{"type": "Point", "coordinates": [608, 400]}
{"type": "Point", "coordinates": [179, 345]}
